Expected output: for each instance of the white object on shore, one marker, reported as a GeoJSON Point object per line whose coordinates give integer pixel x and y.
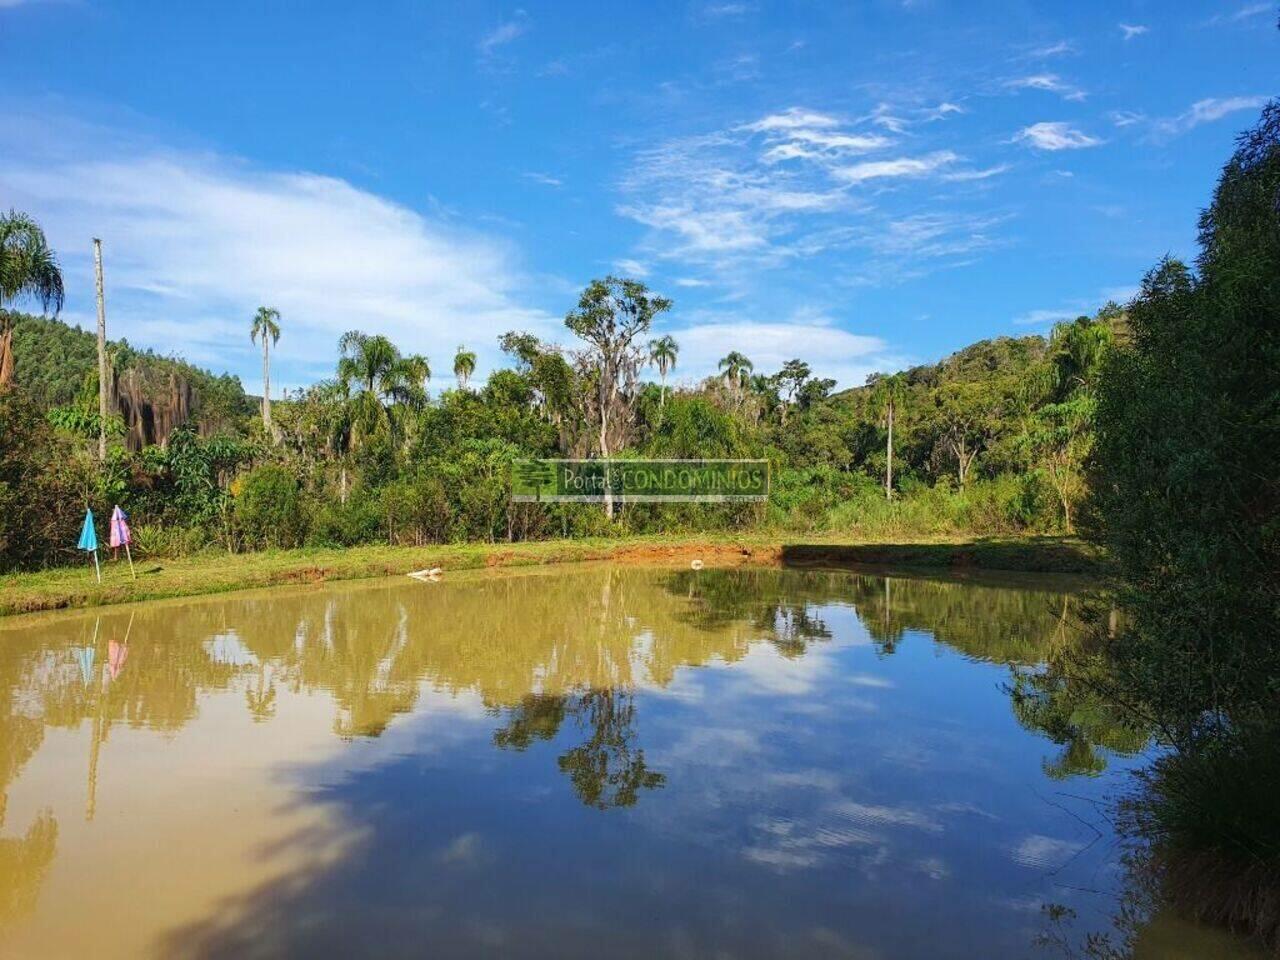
{"type": "Point", "coordinates": [696, 564]}
{"type": "Point", "coordinates": [432, 574]}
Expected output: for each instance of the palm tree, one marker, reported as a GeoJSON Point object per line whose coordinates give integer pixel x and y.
{"type": "Point", "coordinates": [886, 394]}
{"type": "Point", "coordinates": [663, 353]}
{"type": "Point", "coordinates": [376, 377]}
{"type": "Point", "coordinates": [28, 269]}
{"type": "Point", "coordinates": [736, 369]}
{"type": "Point", "coordinates": [464, 365]}
{"type": "Point", "coordinates": [266, 324]}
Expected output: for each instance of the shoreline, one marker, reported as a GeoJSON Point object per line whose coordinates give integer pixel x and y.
{"type": "Point", "coordinates": [210, 573]}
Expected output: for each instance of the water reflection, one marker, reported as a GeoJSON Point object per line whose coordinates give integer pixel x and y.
{"type": "Point", "coordinates": [755, 761]}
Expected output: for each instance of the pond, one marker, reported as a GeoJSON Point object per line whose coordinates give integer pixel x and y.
{"type": "Point", "coordinates": [585, 762]}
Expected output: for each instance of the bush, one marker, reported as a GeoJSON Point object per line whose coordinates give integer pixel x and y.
{"type": "Point", "coordinates": [335, 524]}
{"type": "Point", "coordinates": [158, 540]}
{"type": "Point", "coordinates": [268, 508]}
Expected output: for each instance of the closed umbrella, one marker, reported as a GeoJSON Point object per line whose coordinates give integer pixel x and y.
{"type": "Point", "coordinates": [122, 536]}
{"type": "Point", "coordinates": [89, 540]}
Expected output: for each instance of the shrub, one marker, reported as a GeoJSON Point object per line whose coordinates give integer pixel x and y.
{"type": "Point", "coordinates": [268, 508]}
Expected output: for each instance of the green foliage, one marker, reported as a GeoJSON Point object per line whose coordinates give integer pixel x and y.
{"type": "Point", "coordinates": [54, 362]}
{"type": "Point", "coordinates": [1186, 500]}
{"type": "Point", "coordinates": [268, 507]}
{"type": "Point", "coordinates": [40, 505]}
{"type": "Point", "coordinates": [1189, 480]}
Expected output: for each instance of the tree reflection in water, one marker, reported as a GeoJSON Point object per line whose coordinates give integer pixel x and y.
{"type": "Point", "coordinates": [607, 769]}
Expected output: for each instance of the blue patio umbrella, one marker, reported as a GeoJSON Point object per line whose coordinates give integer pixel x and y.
{"type": "Point", "coordinates": [89, 540]}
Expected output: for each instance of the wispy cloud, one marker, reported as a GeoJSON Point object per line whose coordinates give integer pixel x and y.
{"type": "Point", "coordinates": [503, 34]}
{"type": "Point", "coordinates": [1131, 30]}
{"type": "Point", "coordinates": [533, 176]}
{"type": "Point", "coordinates": [897, 167]}
{"type": "Point", "coordinates": [1247, 12]}
{"type": "Point", "coordinates": [1045, 317]}
{"type": "Point", "coordinates": [716, 11]}
{"type": "Point", "coordinates": [1045, 51]}
{"type": "Point", "coordinates": [195, 242]}
{"type": "Point", "coordinates": [967, 176]}
{"type": "Point", "coordinates": [846, 357]}
{"type": "Point", "coordinates": [1055, 136]}
{"type": "Point", "coordinates": [1125, 118]}
{"type": "Point", "coordinates": [1206, 111]}
{"type": "Point", "coordinates": [1050, 83]}
{"type": "Point", "coordinates": [628, 267]}
{"type": "Point", "coordinates": [793, 185]}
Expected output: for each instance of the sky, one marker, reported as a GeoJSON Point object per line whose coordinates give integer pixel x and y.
{"type": "Point", "coordinates": [863, 185]}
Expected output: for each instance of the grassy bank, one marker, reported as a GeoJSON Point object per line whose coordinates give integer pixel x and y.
{"type": "Point", "coordinates": [216, 572]}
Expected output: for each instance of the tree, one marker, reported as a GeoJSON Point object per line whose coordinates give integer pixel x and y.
{"type": "Point", "coordinates": [1186, 499]}
{"type": "Point", "coordinates": [791, 378]}
{"type": "Point", "coordinates": [28, 270]}
{"type": "Point", "coordinates": [968, 414]}
{"type": "Point", "coordinates": [1061, 439]}
{"type": "Point", "coordinates": [611, 315]}
{"type": "Point", "coordinates": [663, 353]}
{"type": "Point", "coordinates": [887, 394]}
{"type": "Point", "coordinates": [464, 365]}
{"type": "Point", "coordinates": [378, 379]}
{"type": "Point", "coordinates": [737, 369]}
{"type": "Point", "coordinates": [266, 324]}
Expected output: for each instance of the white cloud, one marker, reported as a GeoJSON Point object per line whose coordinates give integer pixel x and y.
{"type": "Point", "coordinates": [631, 268]}
{"type": "Point", "coordinates": [1247, 12]}
{"type": "Point", "coordinates": [793, 118]}
{"type": "Point", "coordinates": [965, 176]}
{"type": "Point", "coordinates": [1047, 317]}
{"type": "Point", "coordinates": [718, 10]}
{"type": "Point", "coordinates": [794, 186]}
{"type": "Point", "coordinates": [941, 111]}
{"type": "Point", "coordinates": [546, 179]}
{"type": "Point", "coordinates": [1048, 82]}
{"type": "Point", "coordinates": [832, 351]}
{"type": "Point", "coordinates": [1054, 136]}
{"type": "Point", "coordinates": [691, 282]}
{"type": "Point", "coordinates": [1133, 30]}
{"type": "Point", "coordinates": [1207, 111]}
{"type": "Point", "coordinates": [1044, 52]}
{"type": "Point", "coordinates": [1252, 10]}
{"type": "Point", "coordinates": [195, 242]}
{"type": "Point", "coordinates": [503, 34]}
{"type": "Point", "coordinates": [899, 167]}
{"type": "Point", "coordinates": [1125, 118]}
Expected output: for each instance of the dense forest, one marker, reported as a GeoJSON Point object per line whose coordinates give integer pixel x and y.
{"type": "Point", "coordinates": [992, 439]}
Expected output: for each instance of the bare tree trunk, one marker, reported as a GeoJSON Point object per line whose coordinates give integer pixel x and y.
{"type": "Point", "coordinates": [342, 484]}
{"type": "Point", "coordinates": [6, 352]}
{"type": "Point", "coordinates": [102, 351]}
{"type": "Point", "coordinates": [266, 384]}
{"type": "Point", "coordinates": [888, 466]}
{"type": "Point", "coordinates": [604, 455]}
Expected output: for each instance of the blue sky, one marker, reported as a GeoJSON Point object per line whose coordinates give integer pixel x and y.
{"type": "Point", "coordinates": [862, 185]}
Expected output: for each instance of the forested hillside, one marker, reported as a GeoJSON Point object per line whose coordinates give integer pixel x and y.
{"type": "Point", "coordinates": [992, 439]}
{"type": "Point", "coordinates": [57, 366]}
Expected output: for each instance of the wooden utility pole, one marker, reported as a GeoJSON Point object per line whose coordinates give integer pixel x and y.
{"type": "Point", "coordinates": [102, 352]}
{"type": "Point", "coordinates": [888, 467]}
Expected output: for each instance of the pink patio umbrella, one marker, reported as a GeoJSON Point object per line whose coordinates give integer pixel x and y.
{"type": "Point", "coordinates": [121, 535]}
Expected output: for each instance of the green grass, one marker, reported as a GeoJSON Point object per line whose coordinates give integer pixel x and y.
{"type": "Point", "coordinates": [216, 572]}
